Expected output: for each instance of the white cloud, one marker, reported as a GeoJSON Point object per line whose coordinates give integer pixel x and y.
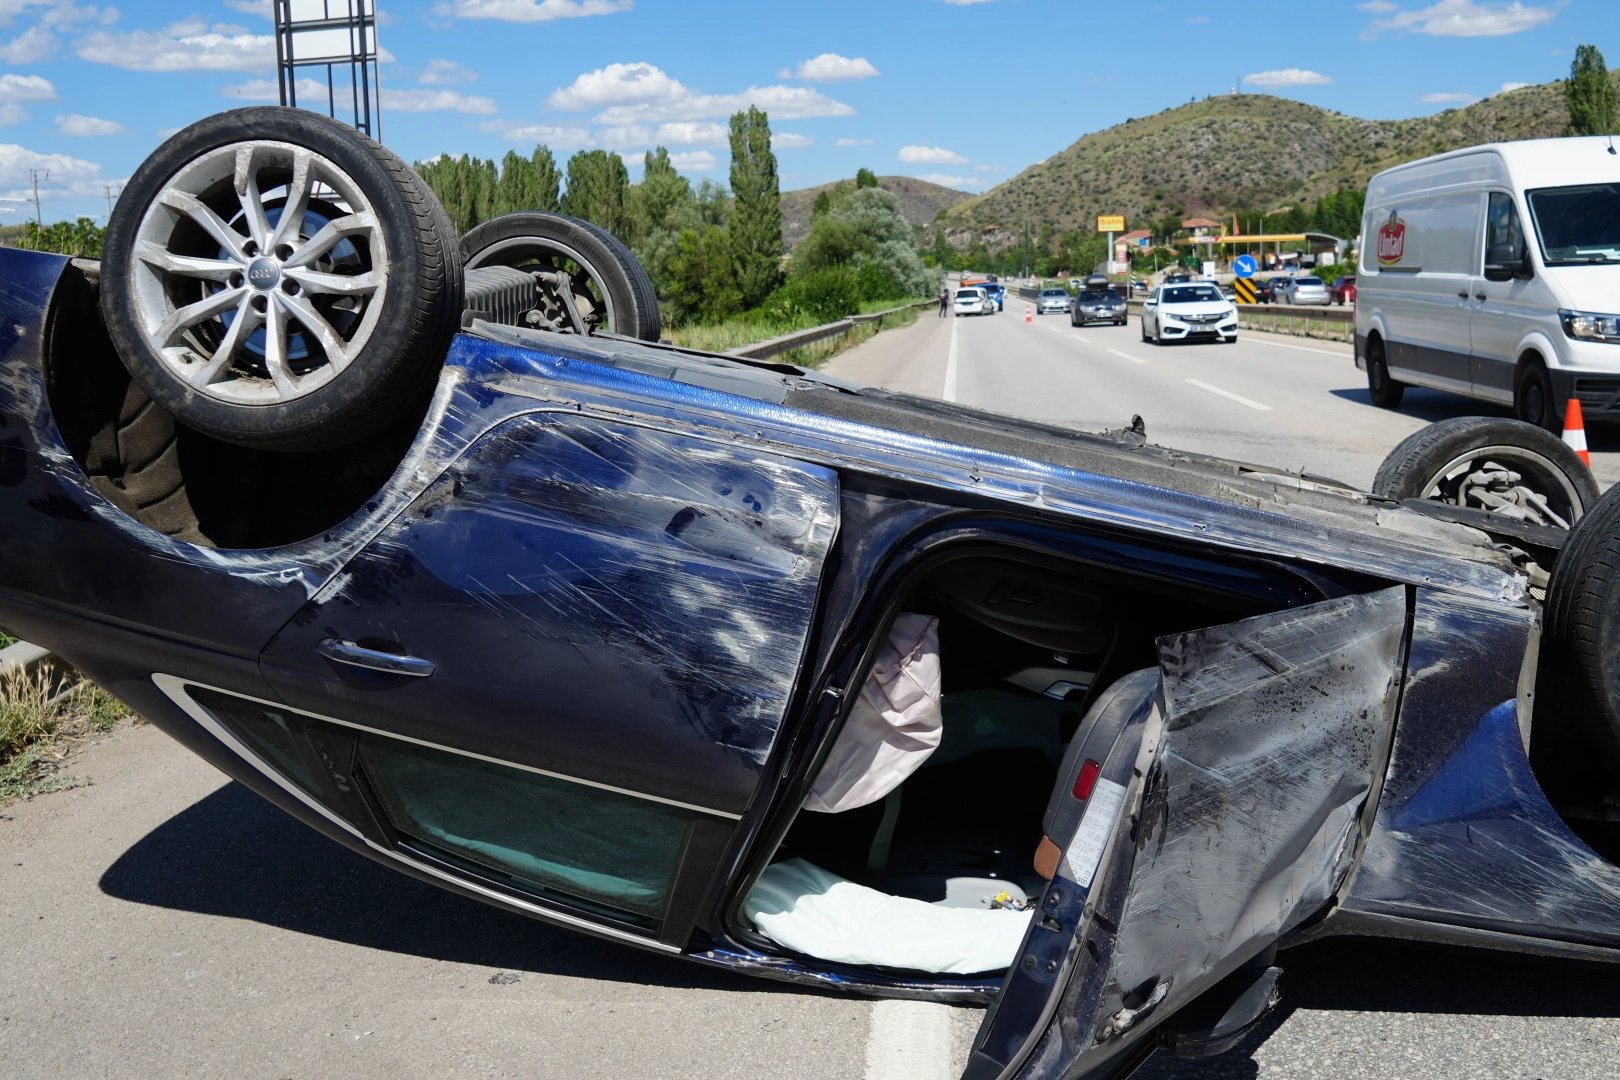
{"type": "Point", "coordinates": [930, 155]}
{"type": "Point", "coordinates": [88, 127]}
{"type": "Point", "coordinates": [29, 47]}
{"type": "Point", "coordinates": [961, 182]}
{"type": "Point", "coordinates": [1287, 77]}
{"type": "Point", "coordinates": [642, 93]}
{"type": "Point", "coordinates": [165, 133]}
{"type": "Point", "coordinates": [529, 11]}
{"type": "Point", "coordinates": [692, 133]}
{"type": "Point", "coordinates": [251, 7]}
{"type": "Point", "coordinates": [445, 73]}
{"type": "Point", "coordinates": [1378, 7]}
{"type": "Point", "coordinates": [183, 46]}
{"type": "Point", "coordinates": [830, 67]}
{"type": "Point", "coordinates": [990, 168]}
{"type": "Point", "coordinates": [26, 88]}
{"type": "Point", "coordinates": [414, 101]}
{"type": "Point", "coordinates": [12, 113]}
{"type": "Point", "coordinates": [269, 90]}
{"type": "Point", "coordinates": [1199, 19]}
{"type": "Point", "coordinates": [522, 131]}
{"type": "Point", "coordinates": [965, 3]}
{"type": "Point", "coordinates": [1464, 18]}
{"type": "Point", "coordinates": [854, 142]}
{"type": "Point", "coordinates": [786, 140]}
{"type": "Point", "coordinates": [1436, 99]}
{"type": "Point", "coordinates": [693, 161]}
{"type": "Point", "coordinates": [69, 177]}
{"type": "Point", "coordinates": [1509, 87]}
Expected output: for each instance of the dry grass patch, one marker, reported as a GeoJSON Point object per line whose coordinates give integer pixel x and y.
{"type": "Point", "coordinates": [44, 718]}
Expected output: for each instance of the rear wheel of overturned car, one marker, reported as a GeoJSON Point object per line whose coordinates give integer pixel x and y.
{"type": "Point", "coordinates": [1385, 392]}
{"type": "Point", "coordinates": [1503, 467]}
{"type": "Point", "coordinates": [588, 280]}
{"type": "Point", "coordinates": [1582, 635]}
{"type": "Point", "coordinates": [274, 278]}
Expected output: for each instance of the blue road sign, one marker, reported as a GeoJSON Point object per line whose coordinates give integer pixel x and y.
{"type": "Point", "coordinates": [1245, 266]}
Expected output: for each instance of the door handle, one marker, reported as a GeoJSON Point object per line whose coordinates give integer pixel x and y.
{"type": "Point", "coordinates": [1480, 296]}
{"type": "Point", "coordinates": [347, 652]}
{"type": "Point", "coordinates": [1463, 294]}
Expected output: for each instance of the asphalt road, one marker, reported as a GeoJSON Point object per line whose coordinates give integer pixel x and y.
{"type": "Point", "coordinates": [1269, 399]}
{"type": "Point", "coordinates": [165, 922]}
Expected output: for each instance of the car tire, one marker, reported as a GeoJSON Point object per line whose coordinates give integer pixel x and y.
{"type": "Point", "coordinates": [618, 291]}
{"type": "Point", "coordinates": [188, 261]}
{"type": "Point", "coordinates": [1434, 462]}
{"type": "Point", "coordinates": [1580, 678]}
{"type": "Point", "coordinates": [1384, 391]}
{"type": "Point", "coordinates": [1533, 400]}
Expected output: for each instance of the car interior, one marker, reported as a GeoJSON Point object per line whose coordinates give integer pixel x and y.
{"type": "Point", "coordinates": [1024, 649]}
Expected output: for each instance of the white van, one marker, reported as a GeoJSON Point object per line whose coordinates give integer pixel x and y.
{"type": "Point", "coordinates": [1495, 272]}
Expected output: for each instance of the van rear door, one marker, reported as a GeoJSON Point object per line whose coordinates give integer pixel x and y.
{"type": "Point", "coordinates": [1231, 810]}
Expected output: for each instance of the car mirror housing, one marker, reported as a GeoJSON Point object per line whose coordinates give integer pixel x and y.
{"type": "Point", "coordinates": [1503, 263]}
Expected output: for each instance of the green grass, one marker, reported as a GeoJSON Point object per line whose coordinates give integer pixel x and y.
{"type": "Point", "coordinates": [6, 638]}
{"type": "Point", "coordinates": [42, 719]}
{"type": "Point", "coordinates": [735, 333]}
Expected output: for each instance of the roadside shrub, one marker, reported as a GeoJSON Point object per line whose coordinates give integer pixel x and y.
{"type": "Point", "coordinates": [819, 296]}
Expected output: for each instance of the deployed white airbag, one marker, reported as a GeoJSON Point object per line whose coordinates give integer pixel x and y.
{"type": "Point", "coordinates": [892, 727]}
{"type": "Point", "coordinates": [817, 913]}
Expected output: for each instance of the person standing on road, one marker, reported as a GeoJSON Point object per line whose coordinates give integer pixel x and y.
{"type": "Point", "coordinates": [944, 300]}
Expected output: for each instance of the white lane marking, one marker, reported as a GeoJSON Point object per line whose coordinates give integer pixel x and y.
{"type": "Point", "coordinates": [1228, 394]}
{"type": "Point", "coordinates": [1127, 356]}
{"type": "Point", "coordinates": [1083, 338]}
{"type": "Point", "coordinates": [910, 1040]}
{"type": "Point", "coordinates": [1301, 348]}
{"type": "Point", "coordinates": [949, 393]}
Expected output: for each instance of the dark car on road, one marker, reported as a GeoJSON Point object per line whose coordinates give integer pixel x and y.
{"type": "Point", "coordinates": [1098, 305]}
{"type": "Point", "coordinates": [431, 542]}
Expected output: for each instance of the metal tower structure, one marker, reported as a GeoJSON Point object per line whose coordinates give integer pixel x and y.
{"type": "Point", "coordinates": [332, 34]}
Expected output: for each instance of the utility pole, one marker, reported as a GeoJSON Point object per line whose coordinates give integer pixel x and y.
{"type": "Point", "coordinates": [106, 189]}
{"type": "Point", "coordinates": [33, 178]}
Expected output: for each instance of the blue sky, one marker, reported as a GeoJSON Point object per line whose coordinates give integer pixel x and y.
{"type": "Point", "coordinates": [930, 88]}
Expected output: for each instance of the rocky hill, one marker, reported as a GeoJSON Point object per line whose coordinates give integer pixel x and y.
{"type": "Point", "coordinates": [1242, 152]}
{"type": "Point", "coordinates": [920, 201]}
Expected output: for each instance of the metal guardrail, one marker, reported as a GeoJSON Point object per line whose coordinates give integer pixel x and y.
{"type": "Point", "coordinates": [775, 346]}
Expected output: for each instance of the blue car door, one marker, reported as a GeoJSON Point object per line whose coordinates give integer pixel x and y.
{"type": "Point", "coordinates": [559, 674]}
{"type": "Point", "coordinates": [1230, 808]}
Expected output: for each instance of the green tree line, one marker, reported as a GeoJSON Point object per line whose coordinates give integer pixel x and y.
{"type": "Point", "coordinates": [713, 253]}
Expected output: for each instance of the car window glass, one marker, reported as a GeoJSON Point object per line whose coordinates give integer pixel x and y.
{"type": "Point", "coordinates": [1577, 225]}
{"type": "Point", "coordinates": [600, 850]}
{"type": "Point", "coordinates": [1502, 225]}
{"type": "Point", "coordinates": [1191, 294]}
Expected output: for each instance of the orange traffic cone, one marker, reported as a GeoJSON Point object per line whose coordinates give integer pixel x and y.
{"type": "Point", "coordinates": [1575, 430]}
{"type": "Point", "coordinates": [1029, 312]}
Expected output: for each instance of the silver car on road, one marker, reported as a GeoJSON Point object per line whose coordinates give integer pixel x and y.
{"type": "Point", "coordinates": [1052, 300]}
{"type": "Point", "coordinates": [1303, 290]}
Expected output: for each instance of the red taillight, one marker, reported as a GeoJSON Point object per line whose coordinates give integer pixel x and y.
{"type": "Point", "coordinates": [1087, 778]}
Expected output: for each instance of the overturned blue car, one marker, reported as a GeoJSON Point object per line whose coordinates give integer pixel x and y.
{"type": "Point", "coordinates": [431, 542]}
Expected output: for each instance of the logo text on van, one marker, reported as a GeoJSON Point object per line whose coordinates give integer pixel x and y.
{"type": "Point", "coordinates": [1391, 240]}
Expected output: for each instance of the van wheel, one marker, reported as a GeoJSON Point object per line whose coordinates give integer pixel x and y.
{"type": "Point", "coordinates": [1533, 400]}
{"type": "Point", "coordinates": [1582, 636]}
{"type": "Point", "coordinates": [273, 278]}
{"type": "Point", "coordinates": [1385, 392]}
{"type": "Point", "coordinates": [1487, 463]}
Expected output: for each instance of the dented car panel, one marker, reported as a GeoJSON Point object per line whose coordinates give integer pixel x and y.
{"type": "Point", "coordinates": [1245, 811]}
{"type": "Point", "coordinates": [1466, 838]}
{"type": "Point", "coordinates": [657, 574]}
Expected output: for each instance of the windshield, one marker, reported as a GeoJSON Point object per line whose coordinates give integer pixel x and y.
{"type": "Point", "coordinates": [1307, 282]}
{"type": "Point", "coordinates": [1192, 294]}
{"type": "Point", "coordinates": [1098, 296]}
{"type": "Point", "coordinates": [1053, 292]}
{"type": "Point", "coordinates": [969, 294]}
{"type": "Point", "coordinates": [1577, 225]}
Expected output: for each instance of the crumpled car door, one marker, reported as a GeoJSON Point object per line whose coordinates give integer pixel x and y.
{"type": "Point", "coordinates": [1230, 811]}
{"type": "Point", "coordinates": [559, 674]}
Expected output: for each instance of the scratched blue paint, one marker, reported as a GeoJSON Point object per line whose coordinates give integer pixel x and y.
{"type": "Point", "coordinates": [1482, 778]}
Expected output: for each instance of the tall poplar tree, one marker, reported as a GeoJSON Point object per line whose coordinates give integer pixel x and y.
{"type": "Point", "coordinates": [595, 192]}
{"type": "Point", "coordinates": [755, 227]}
{"type": "Point", "coordinates": [1590, 94]}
